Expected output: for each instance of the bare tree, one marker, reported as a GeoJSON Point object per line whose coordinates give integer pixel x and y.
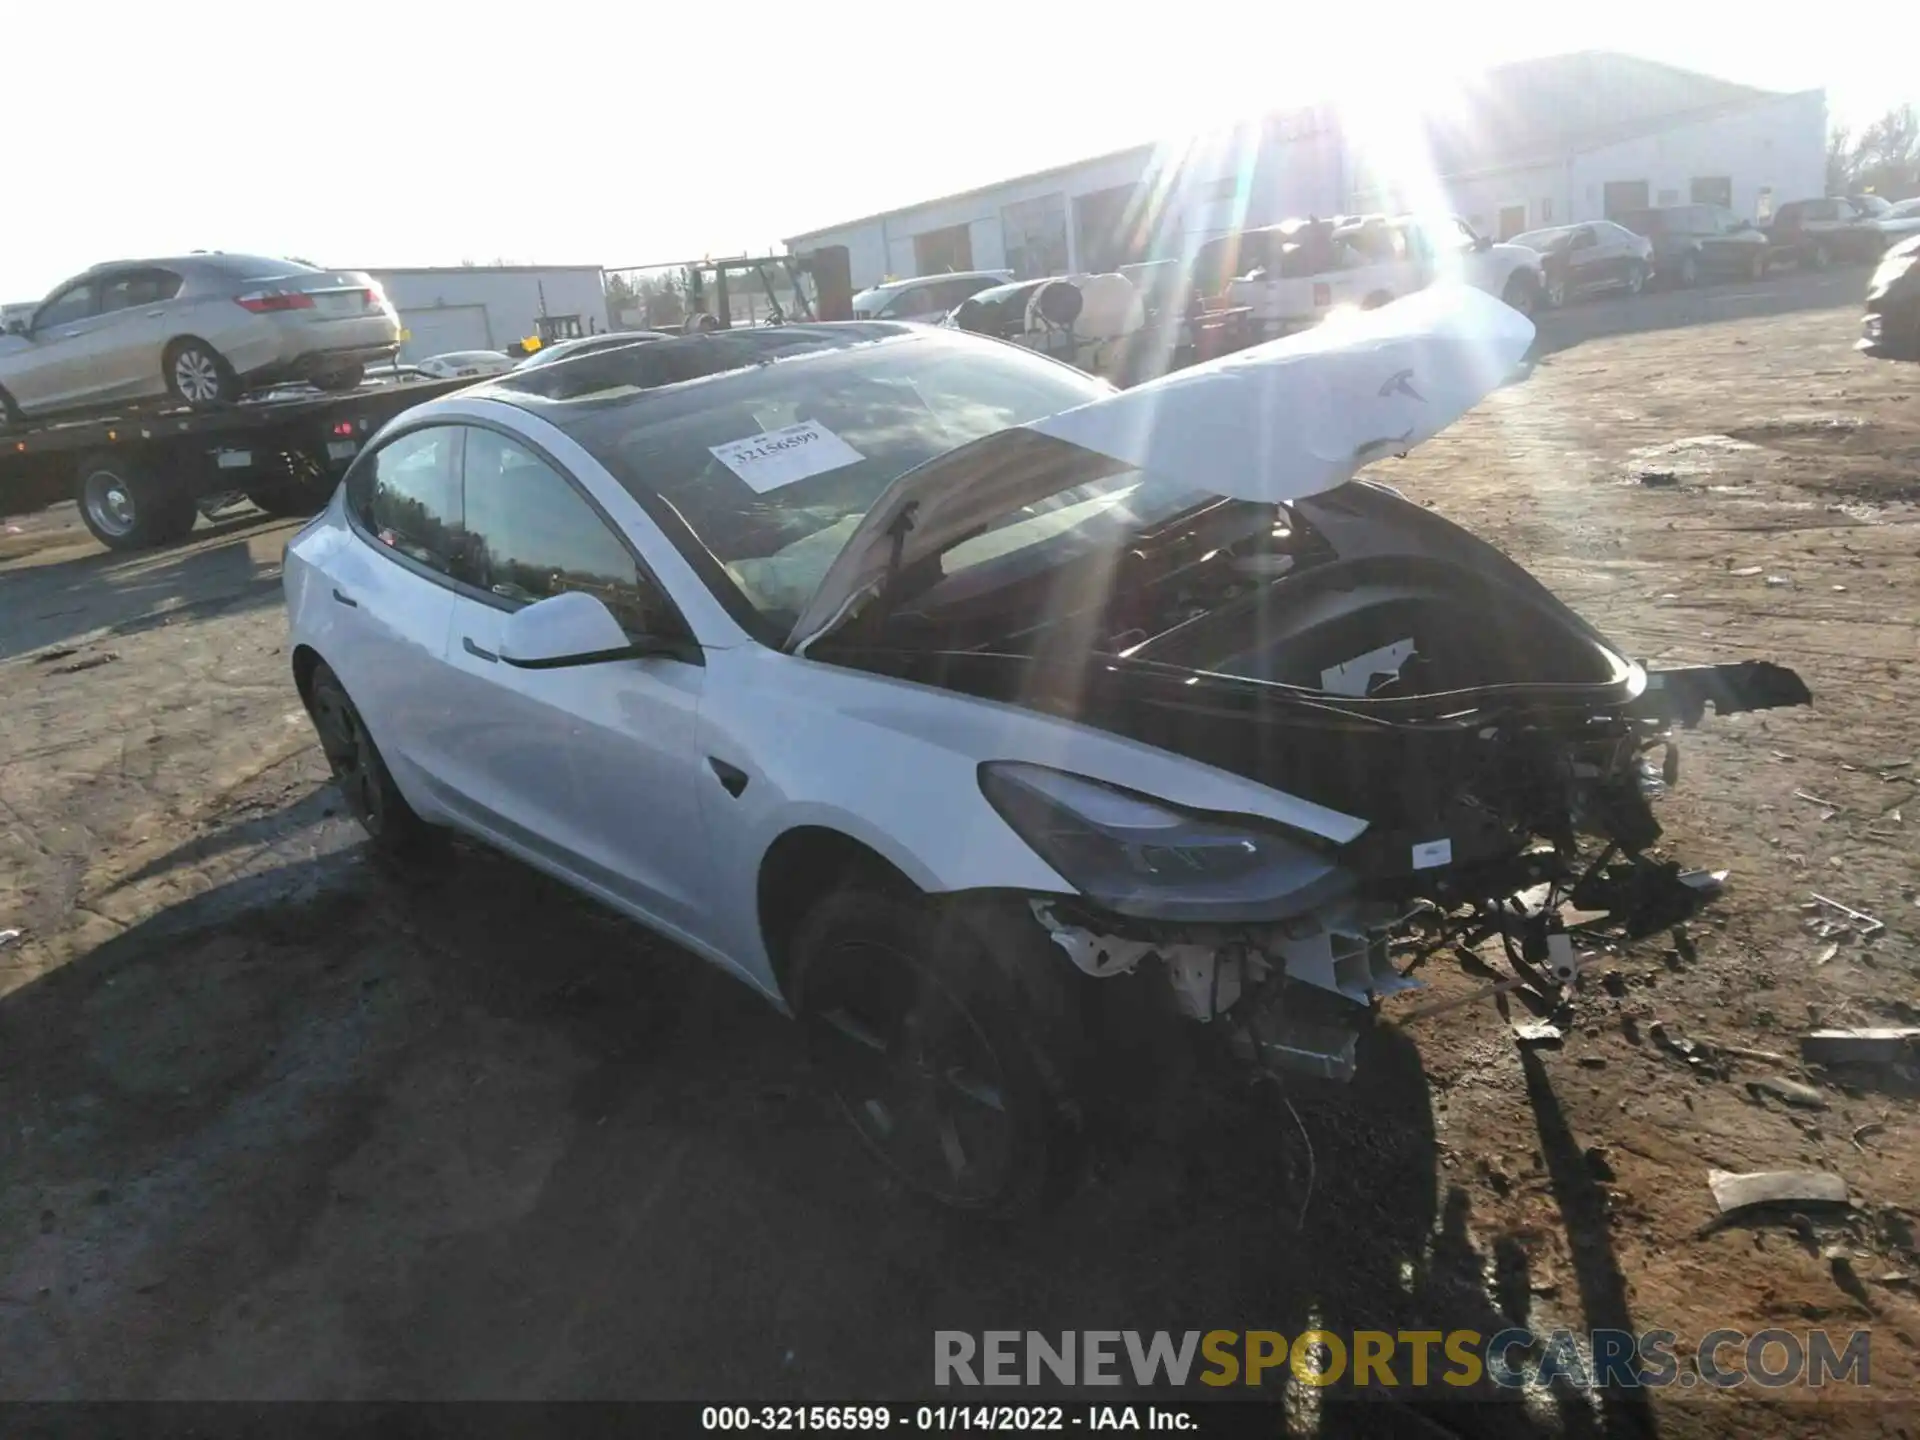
{"type": "Point", "coordinates": [1883, 158]}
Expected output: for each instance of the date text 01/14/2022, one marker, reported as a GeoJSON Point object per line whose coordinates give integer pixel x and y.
{"type": "Point", "coordinates": [944, 1419]}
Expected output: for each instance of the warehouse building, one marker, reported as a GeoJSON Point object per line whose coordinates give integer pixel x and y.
{"type": "Point", "coordinates": [1591, 136]}
{"type": "Point", "coordinates": [489, 307]}
{"type": "Point", "coordinates": [1116, 209]}
{"type": "Point", "coordinates": [1540, 142]}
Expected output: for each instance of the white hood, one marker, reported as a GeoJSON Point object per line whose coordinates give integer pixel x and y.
{"type": "Point", "coordinates": [1283, 420]}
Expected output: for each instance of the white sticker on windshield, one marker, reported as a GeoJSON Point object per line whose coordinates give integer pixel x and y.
{"type": "Point", "coordinates": [775, 458]}
{"type": "Point", "coordinates": [1430, 853]}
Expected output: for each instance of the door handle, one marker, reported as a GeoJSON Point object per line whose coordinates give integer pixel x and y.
{"type": "Point", "coordinates": [466, 642]}
{"type": "Point", "coordinates": [345, 599]}
{"type": "Point", "coordinates": [156, 315]}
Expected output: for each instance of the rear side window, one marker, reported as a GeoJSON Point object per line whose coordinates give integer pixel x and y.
{"type": "Point", "coordinates": [407, 496]}
{"type": "Point", "coordinates": [530, 535]}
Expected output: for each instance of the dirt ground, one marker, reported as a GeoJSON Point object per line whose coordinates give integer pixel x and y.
{"type": "Point", "coordinates": [275, 1125]}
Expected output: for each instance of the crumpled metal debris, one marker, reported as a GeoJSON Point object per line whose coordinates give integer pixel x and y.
{"type": "Point", "coordinates": [1791, 1091]}
{"type": "Point", "coordinates": [1870, 1045]}
{"type": "Point", "coordinates": [1733, 1192]}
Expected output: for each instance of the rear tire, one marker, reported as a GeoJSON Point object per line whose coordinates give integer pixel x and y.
{"type": "Point", "coordinates": [1689, 271]}
{"type": "Point", "coordinates": [394, 829]}
{"type": "Point", "coordinates": [1820, 257]}
{"type": "Point", "coordinates": [199, 374]}
{"type": "Point", "coordinates": [346, 377]}
{"type": "Point", "coordinates": [1757, 267]}
{"type": "Point", "coordinates": [950, 1036]}
{"type": "Point", "coordinates": [127, 505]}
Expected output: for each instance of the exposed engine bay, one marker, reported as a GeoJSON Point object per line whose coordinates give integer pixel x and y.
{"type": "Point", "coordinates": [1360, 652]}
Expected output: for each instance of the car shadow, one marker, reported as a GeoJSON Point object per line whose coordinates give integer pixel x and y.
{"type": "Point", "coordinates": [314, 1091]}
{"type": "Point", "coordinates": [1707, 304]}
{"type": "Point", "coordinates": [44, 606]}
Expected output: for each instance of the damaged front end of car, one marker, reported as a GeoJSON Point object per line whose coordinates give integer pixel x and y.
{"type": "Point", "coordinates": [1193, 565]}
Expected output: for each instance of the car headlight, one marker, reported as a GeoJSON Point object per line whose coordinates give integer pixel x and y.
{"type": "Point", "coordinates": [1139, 856]}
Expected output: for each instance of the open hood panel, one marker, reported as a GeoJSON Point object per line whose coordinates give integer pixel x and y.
{"type": "Point", "coordinates": [1277, 422]}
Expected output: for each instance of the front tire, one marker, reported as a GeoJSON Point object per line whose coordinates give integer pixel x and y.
{"type": "Point", "coordinates": [199, 374]}
{"type": "Point", "coordinates": [1820, 257]}
{"type": "Point", "coordinates": [396, 831]}
{"type": "Point", "coordinates": [1689, 271]}
{"type": "Point", "coordinates": [127, 505]}
{"type": "Point", "coordinates": [1522, 292]}
{"type": "Point", "coordinates": [1636, 278]}
{"type": "Point", "coordinates": [948, 1034]}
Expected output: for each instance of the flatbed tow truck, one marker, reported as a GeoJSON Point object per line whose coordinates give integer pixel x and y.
{"type": "Point", "coordinates": [141, 474]}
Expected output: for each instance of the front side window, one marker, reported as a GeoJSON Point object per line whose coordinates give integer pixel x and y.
{"type": "Point", "coordinates": [529, 535]}
{"type": "Point", "coordinates": [76, 302]}
{"type": "Point", "coordinates": [911, 301]}
{"type": "Point", "coordinates": [407, 496]}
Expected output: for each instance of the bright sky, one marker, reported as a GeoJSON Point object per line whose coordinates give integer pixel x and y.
{"type": "Point", "coordinates": [409, 133]}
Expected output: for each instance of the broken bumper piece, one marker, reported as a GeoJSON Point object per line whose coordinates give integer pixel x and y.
{"type": "Point", "coordinates": [1680, 697]}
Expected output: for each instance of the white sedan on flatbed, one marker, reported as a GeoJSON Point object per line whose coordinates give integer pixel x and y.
{"type": "Point", "coordinates": [945, 694]}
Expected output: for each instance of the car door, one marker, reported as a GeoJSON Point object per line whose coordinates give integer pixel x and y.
{"type": "Point", "coordinates": [390, 597]}
{"type": "Point", "coordinates": [1586, 262]}
{"type": "Point", "coordinates": [128, 334]}
{"type": "Point", "coordinates": [589, 770]}
{"type": "Point", "coordinates": [53, 374]}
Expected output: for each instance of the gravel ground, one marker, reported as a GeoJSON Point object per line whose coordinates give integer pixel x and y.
{"type": "Point", "coordinates": [275, 1125]}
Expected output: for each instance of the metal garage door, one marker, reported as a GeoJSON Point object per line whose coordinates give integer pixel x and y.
{"type": "Point", "coordinates": [441, 328]}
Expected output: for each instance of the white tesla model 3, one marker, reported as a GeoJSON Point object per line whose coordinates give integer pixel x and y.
{"type": "Point", "coordinates": [931, 687]}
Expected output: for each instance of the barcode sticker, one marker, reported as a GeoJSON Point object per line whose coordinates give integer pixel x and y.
{"type": "Point", "coordinates": [776, 458]}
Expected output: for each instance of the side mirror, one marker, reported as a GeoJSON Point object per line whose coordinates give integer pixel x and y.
{"type": "Point", "coordinates": [574, 628]}
{"type": "Point", "coordinates": [1482, 242]}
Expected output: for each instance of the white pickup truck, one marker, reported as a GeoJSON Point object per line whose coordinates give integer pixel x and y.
{"type": "Point", "coordinates": [1295, 274]}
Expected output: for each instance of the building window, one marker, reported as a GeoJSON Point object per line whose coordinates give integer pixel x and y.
{"type": "Point", "coordinates": [939, 251]}
{"type": "Point", "coordinates": [1620, 196]}
{"type": "Point", "coordinates": [1036, 237]}
{"type": "Point", "coordinates": [1712, 190]}
{"type": "Point", "coordinates": [1116, 227]}
{"type": "Point", "coordinates": [559, 327]}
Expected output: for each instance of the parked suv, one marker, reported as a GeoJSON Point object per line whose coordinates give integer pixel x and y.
{"type": "Point", "coordinates": [199, 328]}
{"type": "Point", "coordinates": [1581, 260]}
{"type": "Point", "coordinates": [1819, 232]}
{"type": "Point", "coordinates": [928, 298]}
{"type": "Point", "coordinates": [1695, 242]}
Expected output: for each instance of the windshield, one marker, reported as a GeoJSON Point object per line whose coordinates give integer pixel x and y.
{"type": "Point", "coordinates": [772, 468]}
{"type": "Point", "coordinates": [1874, 205]}
{"type": "Point", "coordinates": [869, 303]}
{"type": "Point", "coordinates": [1542, 239]}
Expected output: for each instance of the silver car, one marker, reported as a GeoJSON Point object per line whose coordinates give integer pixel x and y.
{"type": "Point", "coordinates": [199, 328]}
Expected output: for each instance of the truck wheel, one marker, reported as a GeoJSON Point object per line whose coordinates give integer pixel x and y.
{"type": "Point", "coordinates": [345, 377]}
{"type": "Point", "coordinates": [127, 506]}
{"type": "Point", "coordinates": [1820, 257]}
{"type": "Point", "coordinates": [1689, 270]}
{"type": "Point", "coordinates": [1757, 267]}
{"type": "Point", "coordinates": [198, 373]}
